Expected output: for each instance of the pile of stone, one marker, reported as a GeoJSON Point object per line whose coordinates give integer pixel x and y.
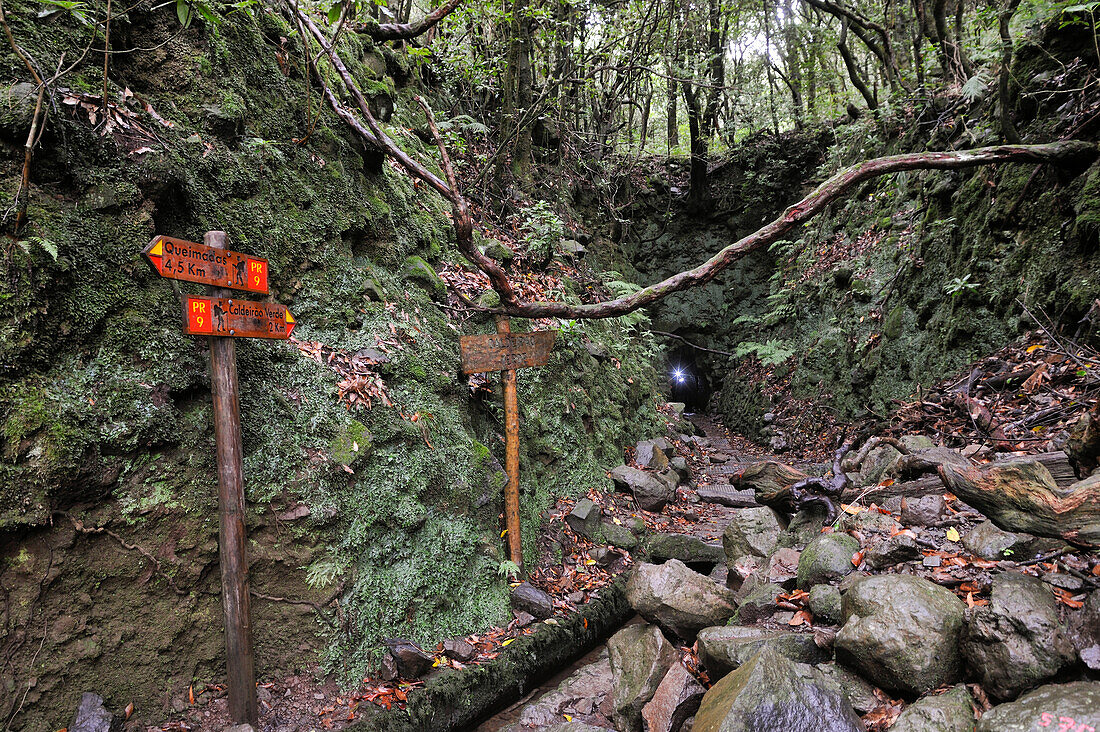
{"type": "Point", "coordinates": [873, 637]}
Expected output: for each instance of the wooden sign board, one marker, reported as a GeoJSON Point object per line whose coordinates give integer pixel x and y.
{"type": "Point", "coordinates": [185, 260]}
{"type": "Point", "coordinates": [225, 316]}
{"type": "Point", "coordinates": [503, 351]}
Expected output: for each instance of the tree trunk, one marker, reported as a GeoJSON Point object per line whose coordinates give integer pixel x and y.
{"type": "Point", "coordinates": [853, 70]}
{"type": "Point", "coordinates": [518, 92]}
{"type": "Point", "coordinates": [1004, 78]}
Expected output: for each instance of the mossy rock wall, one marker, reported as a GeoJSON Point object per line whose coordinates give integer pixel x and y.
{"type": "Point", "coordinates": [910, 279]}
{"type": "Point", "coordinates": [108, 515]}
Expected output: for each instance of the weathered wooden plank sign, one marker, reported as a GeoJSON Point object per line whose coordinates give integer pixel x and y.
{"type": "Point", "coordinates": [232, 318]}
{"type": "Point", "coordinates": [505, 352]}
{"type": "Point", "coordinates": [178, 259]}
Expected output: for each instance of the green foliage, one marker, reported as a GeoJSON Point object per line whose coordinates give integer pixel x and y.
{"type": "Point", "coordinates": [772, 353]}
{"type": "Point", "coordinates": [956, 285]}
{"type": "Point", "coordinates": [542, 230]}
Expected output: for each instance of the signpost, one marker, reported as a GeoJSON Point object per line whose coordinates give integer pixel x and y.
{"type": "Point", "coordinates": [224, 318]}
{"type": "Point", "coordinates": [506, 352]}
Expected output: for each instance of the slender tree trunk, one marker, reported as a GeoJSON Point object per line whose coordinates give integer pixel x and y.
{"type": "Point", "coordinates": [1004, 78]}
{"type": "Point", "coordinates": [853, 70]}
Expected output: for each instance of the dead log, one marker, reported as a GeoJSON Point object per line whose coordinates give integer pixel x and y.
{"type": "Point", "coordinates": [771, 481]}
{"type": "Point", "coordinates": [1023, 496]}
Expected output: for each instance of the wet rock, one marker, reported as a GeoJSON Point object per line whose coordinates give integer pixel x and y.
{"type": "Point", "coordinates": [240, 728]}
{"type": "Point", "coordinates": [782, 567]}
{"type": "Point", "coordinates": [770, 693]}
{"type": "Point", "coordinates": [852, 687]}
{"type": "Point", "coordinates": [530, 599]}
{"type": "Point", "coordinates": [1056, 706]}
{"type": "Point", "coordinates": [869, 522]}
{"type": "Point", "coordinates": [458, 649]}
{"type": "Point", "coordinates": [640, 658]}
{"type": "Point", "coordinates": [584, 519]}
{"type": "Point", "coordinates": [726, 495]}
{"type": "Point", "coordinates": [650, 490]}
{"type": "Point", "coordinates": [804, 527]}
{"type": "Point", "coordinates": [891, 550]}
{"type": "Point", "coordinates": [690, 550]}
{"type": "Point", "coordinates": [990, 542]}
{"type": "Point", "coordinates": [741, 570]}
{"type": "Point", "coordinates": [826, 559]}
{"type": "Point", "coordinates": [617, 535]}
{"type": "Point", "coordinates": [923, 511]}
{"type": "Point", "coordinates": [680, 466]}
{"type": "Point", "coordinates": [726, 647]}
{"type": "Point", "coordinates": [575, 726]}
{"type": "Point", "coordinates": [648, 455]}
{"type": "Point", "coordinates": [585, 692]}
{"type": "Point", "coordinates": [916, 443]}
{"type": "Point", "coordinates": [877, 462]}
{"type": "Point", "coordinates": [91, 715]}
{"type": "Point", "coordinates": [825, 604]}
{"type": "Point", "coordinates": [901, 632]}
{"type": "Point", "coordinates": [1084, 632]}
{"type": "Point", "coordinates": [410, 660]}
{"type": "Point", "coordinates": [677, 698]}
{"type": "Point", "coordinates": [950, 712]}
{"type": "Point", "coordinates": [1016, 641]}
{"type": "Point", "coordinates": [757, 601]}
{"type": "Point", "coordinates": [679, 600]}
{"type": "Point", "coordinates": [751, 531]}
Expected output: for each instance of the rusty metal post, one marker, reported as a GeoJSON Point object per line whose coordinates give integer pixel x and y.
{"type": "Point", "coordinates": [511, 457]}
{"type": "Point", "coordinates": [231, 530]}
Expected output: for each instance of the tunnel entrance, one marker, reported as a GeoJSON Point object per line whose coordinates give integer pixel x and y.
{"type": "Point", "coordinates": [688, 379]}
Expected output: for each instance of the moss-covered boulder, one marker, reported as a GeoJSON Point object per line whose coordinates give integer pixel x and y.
{"type": "Point", "coordinates": [771, 692]}
{"type": "Point", "coordinates": [902, 633]}
{"type": "Point", "coordinates": [949, 712]}
{"type": "Point", "coordinates": [1075, 705]}
{"type": "Point", "coordinates": [827, 558]}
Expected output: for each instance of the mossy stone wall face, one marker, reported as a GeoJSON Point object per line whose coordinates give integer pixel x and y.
{"type": "Point", "coordinates": [910, 279]}
{"type": "Point", "coordinates": [107, 441]}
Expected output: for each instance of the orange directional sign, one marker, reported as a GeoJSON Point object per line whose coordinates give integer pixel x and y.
{"type": "Point", "coordinates": [191, 262]}
{"type": "Point", "coordinates": [227, 316]}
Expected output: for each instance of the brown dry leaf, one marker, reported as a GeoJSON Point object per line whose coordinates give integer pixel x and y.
{"type": "Point", "coordinates": [1033, 382]}
{"type": "Point", "coordinates": [857, 558]}
{"type": "Point", "coordinates": [801, 617]}
{"type": "Point", "coordinates": [129, 710]}
{"type": "Point", "coordinates": [191, 694]}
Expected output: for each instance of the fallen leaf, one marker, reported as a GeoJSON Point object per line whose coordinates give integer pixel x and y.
{"type": "Point", "coordinates": [952, 534]}
{"type": "Point", "coordinates": [857, 558]}
{"type": "Point", "coordinates": [800, 618]}
{"type": "Point", "coordinates": [128, 710]}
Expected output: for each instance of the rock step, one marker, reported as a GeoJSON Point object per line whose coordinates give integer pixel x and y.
{"type": "Point", "coordinates": [727, 495]}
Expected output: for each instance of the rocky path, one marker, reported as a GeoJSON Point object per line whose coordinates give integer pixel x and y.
{"type": "Point", "coordinates": [863, 624]}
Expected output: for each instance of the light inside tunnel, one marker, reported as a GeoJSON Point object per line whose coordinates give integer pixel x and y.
{"type": "Point", "coordinates": [678, 374]}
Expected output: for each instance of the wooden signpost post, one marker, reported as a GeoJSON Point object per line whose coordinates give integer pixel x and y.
{"type": "Point", "coordinates": [224, 318]}
{"type": "Point", "coordinates": [506, 352]}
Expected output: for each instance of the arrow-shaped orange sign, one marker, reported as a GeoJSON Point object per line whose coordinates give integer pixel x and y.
{"type": "Point", "coordinates": [192, 262]}
{"type": "Point", "coordinates": [227, 316]}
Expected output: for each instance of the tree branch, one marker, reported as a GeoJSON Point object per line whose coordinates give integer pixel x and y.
{"type": "Point", "coordinates": [1058, 153]}
{"type": "Point", "coordinates": [377, 137]}
{"type": "Point", "coordinates": [404, 31]}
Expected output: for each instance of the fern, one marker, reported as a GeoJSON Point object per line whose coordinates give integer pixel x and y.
{"type": "Point", "coordinates": [772, 353]}
{"type": "Point", "coordinates": [975, 87]}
